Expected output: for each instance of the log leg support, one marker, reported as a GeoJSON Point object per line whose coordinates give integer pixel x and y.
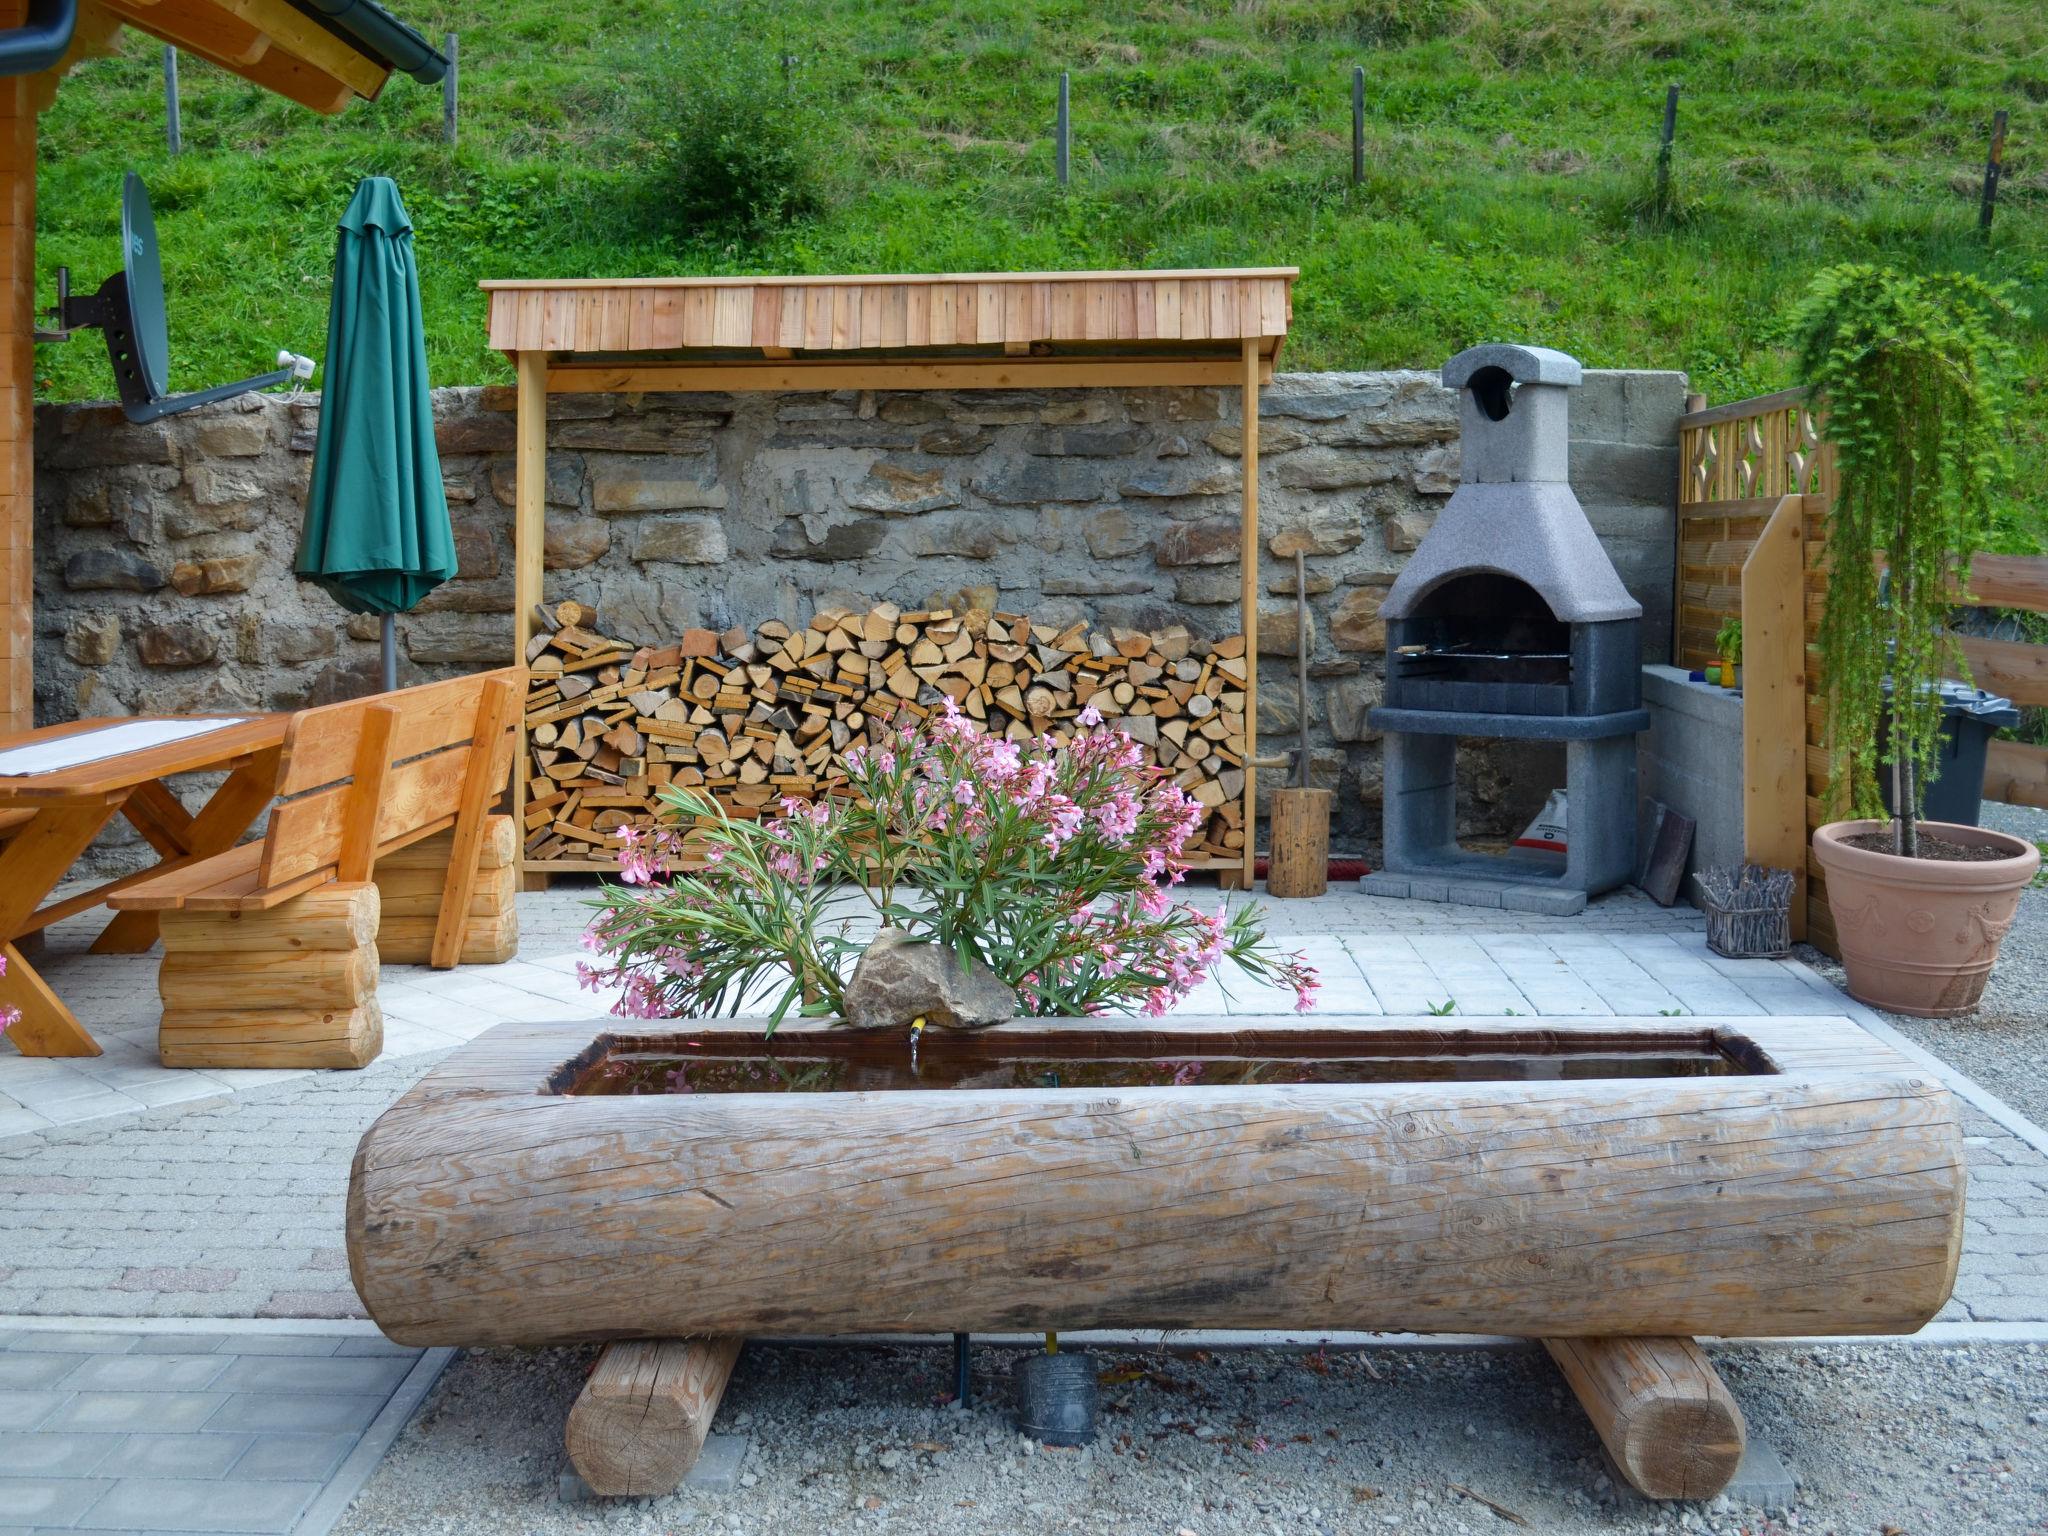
{"type": "Point", "coordinates": [1661, 1410]}
{"type": "Point", "coordinates": [641, 1419]}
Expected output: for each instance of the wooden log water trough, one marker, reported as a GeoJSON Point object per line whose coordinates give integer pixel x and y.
{"type": "Point", "coordinates": [1611, 1186]}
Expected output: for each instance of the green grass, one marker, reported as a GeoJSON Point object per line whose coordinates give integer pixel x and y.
{"type": "Point", "coordinates": [1509, 153]}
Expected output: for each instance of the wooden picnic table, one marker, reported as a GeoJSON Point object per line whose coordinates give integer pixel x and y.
{"type": "Point", "coordinates": [55, 815]}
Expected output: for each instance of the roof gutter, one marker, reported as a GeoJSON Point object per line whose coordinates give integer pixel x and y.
{"type": "Point", "coordinates": [40, 41]}
{"type": "Point", "coordinates": [378, 34]}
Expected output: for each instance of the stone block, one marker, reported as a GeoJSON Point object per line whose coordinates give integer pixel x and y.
{"type": "Point", "coordinates": [911, 410]}
{"type": "Point", "coordinates": [901, 490]}
{"type": "Point", "coordinates": [221, 573]}
{"type": "Point", "coordinates": [296, 644]}
{"type": "Point", "coordinates": [1436, 471]}
{"type": "Point", "coordinates": [1324, 531]}
{"type": "Point", "coordinates": [214, 485]}
{"type": "Point", "coordinates": [92, 639]}
{"type": "Point", "coordinates": [1090, 585]}
{"type": "Point", "coordinates": [972, 535]}
{"type": "Point", "coordinates": [1165, 484]}
{"type": "Point", "coordinates": [1273, 439]}
{"type": "Point", "coordinates": [477, 431]}
{"type": "Point", "coordinates": [654, 485]}
{"type": "Point", "coordinates": [1111, 534]}
{"type": "Point", "coordinates": [566, 473]}
{"type": "Point", "coordinates": [1348, 704]}
{"type": "Point", "coordinates": [1099, 442]}
{"type": "Point", "coordinates": [1549, 901]}
{"type": "Point", "coordinates": [803, 539]}
{"type": "Point", "coordinates": [1078, 410]}
{"type": "Point", "coordinates": [1335, 469]}
{"type": "Point", "coordinates": [188, 521]}
{"type": "Point", "coordinates": [476, 550]}
{"type": "Point", "coordinates": [180, 644]}
{"type": "Point", "coordinates": [570, 543]}
{"type": "Point", "coordinates": [1280, 581]}
{"type": "Point", "coordinates": [454, 640]}
{"type": "Point", "coordinates": [954, 440]}
{"type": "Point", "coordinates": [1201, 588]}
{"type": "Point", "coordinates": [1281, 627]}
{"type": "Point", "coordinates": [1356, 625]}
{"type": "Point", "coordinates": [111, 570]}
{"type": "Point", "coordinates": [1030, 482]}
{"type": "Point", "coordinates": [94, 436]}
{"type": "Point", "coordinates": [239, 437]}
{"type": "Point", "coordinates": [1215, 541]}
{"type": "Point", "coordinates": [628, 431]}
{"type": "Point", "coordinates": [680, 541]}
{"type": "Point", "coordinates": [1404, 530]}
{"type": "Point", "coordinates": [1173, 404]}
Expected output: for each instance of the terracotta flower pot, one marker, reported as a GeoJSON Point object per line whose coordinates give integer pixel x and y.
{"type": "Point", "coordinates": [1919, 935]}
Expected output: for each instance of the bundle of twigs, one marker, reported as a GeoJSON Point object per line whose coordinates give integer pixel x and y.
{"type": "Point", "coordinates": [1749, 911]}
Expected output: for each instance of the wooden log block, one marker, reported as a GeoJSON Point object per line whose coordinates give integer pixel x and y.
{"type": "Point", "coordinates": [318, 978]}
{"type": "Point", "coordinates": [1301, 842]}
{"type": "Point", "coordinates": [487, 938]}
{"type": "Point", "coordinates": [1661, 1409]}
{"type": "Point", "coordinates": [640, 1421]}
{"type": "Point", "coordinates": [1820, 1196]}
{"type": "Point", "coordinates": [494, 850]}
{"type": "Point", "coordinates": [329, 917]}
{"type": "Point", "coordinates": [272, 1037]}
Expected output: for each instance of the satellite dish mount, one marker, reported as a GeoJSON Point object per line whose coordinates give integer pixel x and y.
{"type": "Point", "coordinates": [129, 311]}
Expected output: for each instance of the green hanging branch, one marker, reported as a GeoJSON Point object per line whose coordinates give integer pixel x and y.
{"type": "Point", "coordinates": [1911, 379]}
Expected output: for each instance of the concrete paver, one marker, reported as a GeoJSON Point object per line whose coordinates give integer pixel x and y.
{"type": "Point", "coordinates": [247, 1449]}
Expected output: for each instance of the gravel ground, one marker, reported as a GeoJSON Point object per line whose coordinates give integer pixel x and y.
{"type": "Point", "coordinates": [2005, 1043]}
{"type": "Point", "coordinates": [1885, 1440]}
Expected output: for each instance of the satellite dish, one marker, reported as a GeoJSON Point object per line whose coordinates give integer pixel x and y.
{"type": "Point", "coordinates": [129, 311]}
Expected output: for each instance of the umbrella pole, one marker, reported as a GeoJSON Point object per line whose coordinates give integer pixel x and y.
{"type": "Point", "coordinates": [390, 653]}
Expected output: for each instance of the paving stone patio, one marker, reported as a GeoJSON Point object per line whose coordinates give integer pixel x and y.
{"type": "Point", "coordinates": [131, 1192]}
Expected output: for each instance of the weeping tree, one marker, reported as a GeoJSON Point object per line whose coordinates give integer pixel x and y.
{"type": "Point", "coordinates": [1910, 378]}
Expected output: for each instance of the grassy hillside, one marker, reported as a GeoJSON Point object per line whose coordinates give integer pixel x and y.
{"type": "Point", "coordinates": [1509, 150]}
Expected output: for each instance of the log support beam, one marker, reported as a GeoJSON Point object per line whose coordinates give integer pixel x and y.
{"type": "Point", "coordinates": [1661, 1410]}
{"type": "Point", "coordinates": [640, 1422]}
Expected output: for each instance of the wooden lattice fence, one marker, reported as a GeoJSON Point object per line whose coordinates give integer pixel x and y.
{"type": "Point", "coordinates": [1755, 483]}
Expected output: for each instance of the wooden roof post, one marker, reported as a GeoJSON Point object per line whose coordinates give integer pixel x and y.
{"type": "Point", "coordinates": [17, 393]}
{"type": "Point", "coordinates": [1248, 558]}
{"type": "Point", "coordinates": [529, 537]}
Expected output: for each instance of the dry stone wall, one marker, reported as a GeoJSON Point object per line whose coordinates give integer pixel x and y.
{"type": "Point", "coordinates": [163, 552]}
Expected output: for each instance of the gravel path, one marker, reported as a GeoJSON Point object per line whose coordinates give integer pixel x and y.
{"type": "Point", "coordinates": [1883, 1438]}
{"type": "Point", "coordinates": [2005, 1043]}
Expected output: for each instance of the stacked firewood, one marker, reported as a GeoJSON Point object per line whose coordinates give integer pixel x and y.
{"type": "Point", "coordinates": [752, 717]}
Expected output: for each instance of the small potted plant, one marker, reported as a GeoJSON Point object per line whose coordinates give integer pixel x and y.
{"type": "Point", "coordinates": [1728, 642]}
{"type": "Point", "coordinates": [1912, 375]}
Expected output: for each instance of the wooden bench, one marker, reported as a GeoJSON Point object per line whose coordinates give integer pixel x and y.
{"type": "Point", "coordinates": [271, 950]}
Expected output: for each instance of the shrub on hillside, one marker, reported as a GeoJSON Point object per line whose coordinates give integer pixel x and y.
{"type": "Point", "coordinates": [733, 134]}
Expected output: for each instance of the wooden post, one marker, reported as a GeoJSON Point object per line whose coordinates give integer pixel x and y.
{"type": "Point", "coordinates": [1062, 133]}
{"type": "Point", "coordinates": [1357, 124]}
{"type": "Point", "coordinates": [174, 130]}
{"type": "Point", "coordinates": [529, 535]}
{"type": "Point", "coordinates": [1774, 700]}
{"type": "Point", "coordinates": [449, 87]}
{"type": "Point", "coordinates": [1664, 151]}
{"type": "Point", "coordinates": [1299, 862]}
{"type": "Point", "coordinates": [1248, 558]}
{"type": "Point", "coordinates": [1994, 167]}
{"type": "Point", "coordinates": [641, 1419]}
{"type": "Point", "coordinates": [17, 392]}
{"type": "Point", "coordinates": [1661, 1410]}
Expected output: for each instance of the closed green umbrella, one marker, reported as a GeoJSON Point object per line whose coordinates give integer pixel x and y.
{"type": "Point", "coordinates": [376, 534]}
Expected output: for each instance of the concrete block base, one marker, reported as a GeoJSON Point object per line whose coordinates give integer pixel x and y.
{"type": "Point", "coordinates": [716, 1470]}
{"type": "Point", "coordinates": [1551, 900]}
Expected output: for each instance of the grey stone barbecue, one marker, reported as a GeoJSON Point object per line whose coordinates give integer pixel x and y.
{"type": "Point", "coordinates": [1510, 622]}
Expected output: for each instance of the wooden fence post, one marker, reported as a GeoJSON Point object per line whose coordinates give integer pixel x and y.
{"type": "Point", "coordinates": [1994, 167]}
{"type": "Point", "coordinates": [1774, 700]}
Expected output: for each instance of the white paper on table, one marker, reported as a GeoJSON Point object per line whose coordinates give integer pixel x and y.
{"type": "Point", "coordinates": [108, 741]}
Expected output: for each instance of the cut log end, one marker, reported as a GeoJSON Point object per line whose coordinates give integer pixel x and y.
{"type": "Point", "coordinates": [642, 1417]}
{"type": "Point", "coordinates": [1661, 1410]}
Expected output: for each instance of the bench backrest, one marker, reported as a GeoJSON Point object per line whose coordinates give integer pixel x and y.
{"type": "Point", "coordinates": [371, 775]}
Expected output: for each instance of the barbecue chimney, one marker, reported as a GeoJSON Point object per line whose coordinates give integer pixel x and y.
{"type": "Point", "coordinates": [1510, 622]}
